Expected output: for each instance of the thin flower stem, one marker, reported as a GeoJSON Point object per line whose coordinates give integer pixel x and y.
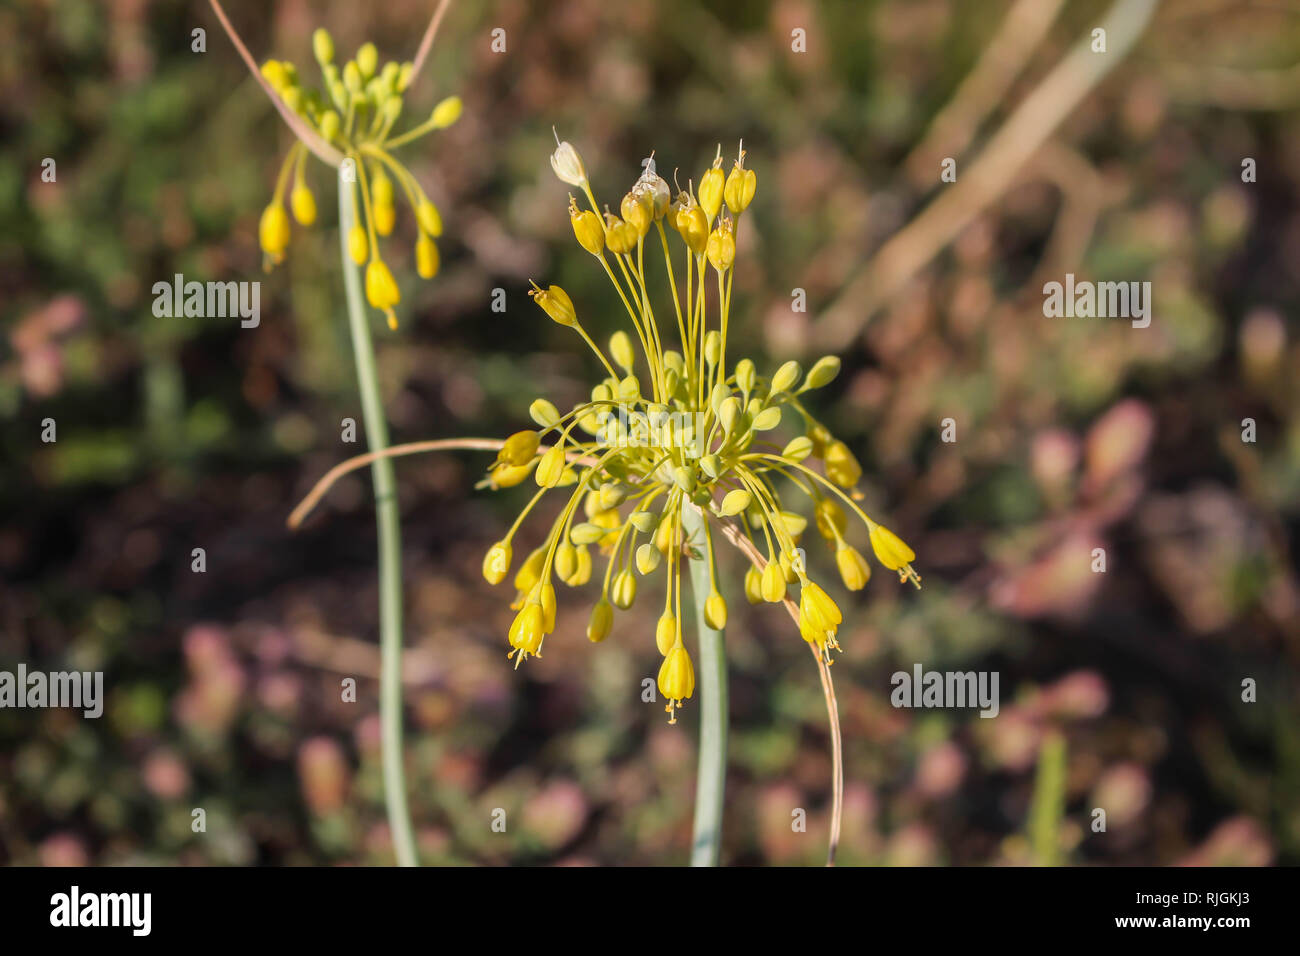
{"type": "Point", "coordinates": [711, 775]}
{"type": "Point", "coordinates": [747, 547]}
{"type": "Point", "coordinates": [390, 547]}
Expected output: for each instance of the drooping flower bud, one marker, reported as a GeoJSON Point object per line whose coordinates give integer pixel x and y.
{"type": "Point", "coordinates": [426, 257]}
{"type": "Point", "coordinates": [496, 563]}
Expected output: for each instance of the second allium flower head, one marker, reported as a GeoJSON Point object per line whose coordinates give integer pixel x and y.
{"type": "Point", "coordinates": [355, 113]}
{"type": "Point", "coordinates": [691, 435]}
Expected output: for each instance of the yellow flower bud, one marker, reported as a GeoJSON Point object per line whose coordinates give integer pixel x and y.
{"type": "Point", "coordinates": [602, 619]}
{"type": "Point", "coordinates": [841, 466]}
{"type": "Point", "coordinates": [446, 112]}
{"type": "Point", "coordinates": [797, 449]}
{"type": "Point", "coordinates": [721, 248]}
{"type": "Point", "coordinates": [385, 218]}
{"type": "Point", "coordinates": [587, 228]}
{"type": "Point", "coordinates": [544, 591]}
{"type": "Point", "coordinates": [329, 125]}
{"type": "Point", "coordinates": [381, 188]}
{"type": "Point", "coordinates": [712, 347]}
{"type": "Point", "coordinates": [367, 60]}
{"type": "Point", "coordinates": [566, 560]}
{"type": "Point", "coordinates": [530, 572]}
{"type": "Point", "coordinates": [710, 191]}
{"type": "Point", "coordinates": [666, 633]}
{"type": "Point", "coordinates": [496, 563]}
{"type": "Point", "coordinates": [519, 448]}
{"type": "Point", "coordinates": [739, 191]}
{"type": "Point", "coordinates": [648, 558]}
{"type": "Point", "coordinates": [676, 679]}
{"type": "Point", "coordinates": [358, 245]}
{"type": "Point", "coordinates": [623, 591]}
{"type": "Point", "coordinates": [544, 412]}
{"type": "Point", "coordinates": [638, 211]}
{"type": "Point", "coordinates": [693, 226]}
{"type": "Point", "coordinates": [786, 377]}
{"type": "Point", "coordinates": [715, 611]}
{"type": "Point", "coordinates": [767, 419]}
{"type": "Point", "coordinates": [381, 289]}
{"type": "Point", "coordinates": [665, 536]}
{"type": "Point", "coordinates": [556, 303]}
{"type": "Point", "coordinates": [854, 570]}
{"type": "Point", "coordinates": [773, 584]}
{"type": "Point", "coordinates": [735, 502]}
{"type": "Point", "coordinates": [303, 204]}
{"type": "Point", "coordinates": [404, 75]}
{"type": "Point", "coordinates": [275, 73]}
{"type": "Point", "coordinates": [427, 215]}
{"type": "Point", "coordinates": [550, 469]}
{"type": "Point", "coordinates": [507, 476]}
{"type": "Point", "coordinates": [582, 573]}
{"type": "Point", "coordinates": [620, 237]}
{"type": "Point", "coordinates": [352, 78]}
{"type": "Point", "coordinates": [322, 44]}
{"type": "Point", "coordinates": [273, 232]}
{"type": "Point", "coordinates": [831, 519]}
{"type": "Point", "coordinates": [753, 585]}
{"type": "Point", "coordinates": [426, 257]}
{"type": "Point", "coordinates": [620, 347]}
{"type": "Point", "coordinates": [823, 373]}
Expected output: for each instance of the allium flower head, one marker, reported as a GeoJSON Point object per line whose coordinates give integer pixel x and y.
{"type": "Point", "coordinates": [674, 433]}
{"type": "Point", "coordinates": [351, 117]}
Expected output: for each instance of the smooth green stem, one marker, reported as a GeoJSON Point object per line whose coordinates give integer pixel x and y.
{"type": "Point", "coordinates": [711, 690]}
{"type": "Point", "coordinates": [390, 547]}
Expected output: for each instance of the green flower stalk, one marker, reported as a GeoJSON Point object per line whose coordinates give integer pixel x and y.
{"type": "Point", "coordinates": [348, 123]}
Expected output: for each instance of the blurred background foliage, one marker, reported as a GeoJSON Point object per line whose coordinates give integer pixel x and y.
{"type": "Point", "coordinates": [1072, 434]}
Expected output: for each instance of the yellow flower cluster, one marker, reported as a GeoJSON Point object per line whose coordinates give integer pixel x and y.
{"type": "Point", "coordinates": [356, 113]}
{"type": "Point", "coordinates": [689, 431]}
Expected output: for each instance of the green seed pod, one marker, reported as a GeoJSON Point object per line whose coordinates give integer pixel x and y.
{"type": "Point", "coordinates": [623, 590]}
{"type": "Point", "coordinates": [712, 347]}
{"type": "Point", "coordinates": [644, 521]}
{"type": "Point", "coordinates": [767, 419]}
{"type": "Point", "coordinates": [735, 502]}
{"type": "Point", "coordinates": [798, 449]}
{"type": "Point", "coordinates": [367, 60]}
{"type": "Point", "coordinates": [587, 533]}
{"type": "Point", "coordinates": [823, 373]}
{"type": "Point", "coordinates": [785, 377]}
{"type": "Point", "coordinates": [544, 413]}
{"type": "Point", "coordinates": [745, 375]}
{"type": "Point", "coordinates": [648, 558]}
{"type": "Point", "coordinates": [620, 346]}
{"type": "Point", "coordinates": [322, 44]}
{"type": "Point", "coordinates": [729, 413]}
